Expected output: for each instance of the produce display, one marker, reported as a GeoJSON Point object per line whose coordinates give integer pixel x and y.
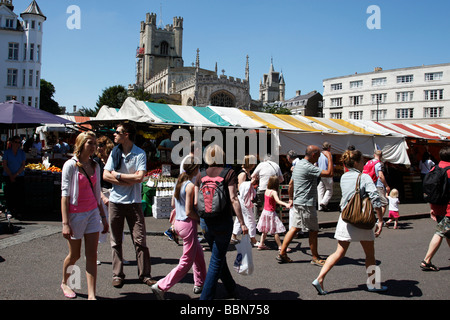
{"type": "Point", "coordinates": [41, 167]}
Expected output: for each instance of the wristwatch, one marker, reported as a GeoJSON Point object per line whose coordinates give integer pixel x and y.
{"type": "Point", "coordinates": [118, 176]}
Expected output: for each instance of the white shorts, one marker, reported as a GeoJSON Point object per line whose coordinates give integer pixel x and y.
{"type": "Point", "coordinates": [83, 223]}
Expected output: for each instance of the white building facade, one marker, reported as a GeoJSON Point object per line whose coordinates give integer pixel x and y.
{"type": "Point", "coordinates": [400, 95]}
{"type": "Point", "coordinates": [21, 53]}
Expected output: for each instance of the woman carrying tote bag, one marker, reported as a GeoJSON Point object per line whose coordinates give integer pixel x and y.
{"type": "Point", "coordinates": [347, 233]}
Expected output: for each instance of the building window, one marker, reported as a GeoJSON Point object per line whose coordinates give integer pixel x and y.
{"type": "Point", "coordinates": [378, 82]}
{"type": "Point", "coordinates": [356, 100]}
{"type": "Point", "coordinates": [13, 51]}
{"type": "Point", "coordinates": [38, 53]}
{"type": "Point", "coordinates": [37, 79]}
{"type": "Point", "coordinates": [223, 99]}
{"type": "Point", "coordinates": [164, 50]}
{"type": "Point", "coordinates": [405, 96]}
{"type": "Point", "coordinates": [24, 79]}
{"type": "Point", "coordinates": [12, 78]}
{"type": "Point", "coordinates": [434, 94]}
{"type": "Point", "coordinates": [406, 113]}
{"type": "Point", "coordinates": [36, 103]}
{"type": "Point", "coordinates": [30, 78]}
{"type": "Point", "coordinates": [381, 115]}
{"type": "Point", "coordinates": [405, 79]}
{"type": "Point", "coordinates": [336, 86]}
{"type": "Point", "coordinates": [356, 84]}
{"type": "Point", "coordinates": [433, 76]}
{"type": "Point", "coordinates": [33, 24]}
{"type": "Point", "coordinates": [336, 115]}
{"type": "Point", "coordinates": [379, 98]}
{"type": "Point", "coordinates": [30, 101]}
{"type": "Point", "coordinates": [336, 102]}
{"type": "Point", "coordinates": [9, 24]}
{"type": "Point", "coordinates": [356, 115]}
{"type": "Point", "coordinates": [32, 52]}
{"type": "Point", "coordinates": [433, 112]}
{"type": "Point", "coordinates": [25, 52]}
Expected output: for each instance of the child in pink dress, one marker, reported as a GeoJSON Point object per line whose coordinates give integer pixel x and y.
{"type": "Point", "coordinates": [393, 208]}
{"type": "Point", "coordinates": [269, 222]}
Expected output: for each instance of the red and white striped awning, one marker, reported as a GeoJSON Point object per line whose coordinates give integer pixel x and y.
{"type": "Point", "coordinates": [423, 131]}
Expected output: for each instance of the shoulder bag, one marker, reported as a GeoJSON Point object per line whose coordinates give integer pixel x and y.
{"type": "Point", "coordinates": [359, 211]}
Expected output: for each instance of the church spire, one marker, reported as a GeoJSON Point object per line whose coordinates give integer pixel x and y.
{"type": "Point", "coordinates": [197, 60]}
{"type": "Point", "coordinates": [247, 71]}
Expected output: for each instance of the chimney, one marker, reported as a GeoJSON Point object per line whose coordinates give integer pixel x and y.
{"type": "Point", "coordinates": [74, 109]}
{"type": "Point", "coordinates": [298, 93]}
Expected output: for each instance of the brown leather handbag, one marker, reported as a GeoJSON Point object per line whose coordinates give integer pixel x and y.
{"type": "Point", "coordinates": [359, 211]}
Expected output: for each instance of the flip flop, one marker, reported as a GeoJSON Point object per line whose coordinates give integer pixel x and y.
{"type": "Point", "coordinates": [72, 295]}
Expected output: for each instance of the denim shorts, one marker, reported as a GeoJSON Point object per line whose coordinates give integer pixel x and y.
{"type": "Point", "coordinates": [83, 223]}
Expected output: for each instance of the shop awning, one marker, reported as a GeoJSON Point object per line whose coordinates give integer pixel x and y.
{"type": "Point", "coordinates": [422, 131]}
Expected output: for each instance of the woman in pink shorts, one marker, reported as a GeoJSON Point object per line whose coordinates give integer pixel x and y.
{"type": "Point", "coordinates": [82, 213]}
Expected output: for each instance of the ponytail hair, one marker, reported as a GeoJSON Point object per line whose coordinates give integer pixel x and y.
{"type": "Point", "coordinates": [190, 165]}
{"type": "Point", "coordinates": [350, 157]}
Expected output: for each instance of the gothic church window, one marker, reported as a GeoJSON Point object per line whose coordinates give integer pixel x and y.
{"type": "Point", "coordinates": [164, 49]}
{"type": "Point", "coordinates": [223, 99]}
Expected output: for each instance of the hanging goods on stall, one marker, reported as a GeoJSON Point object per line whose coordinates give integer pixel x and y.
{"type": "Point", "coordinates": [436, 186]}
{"type": "Point", "coordinates": [359, 211]}
{"type": "Point", "coordinates": [369, 168]}
{"type": "Point", "coordinates": [212, 195]}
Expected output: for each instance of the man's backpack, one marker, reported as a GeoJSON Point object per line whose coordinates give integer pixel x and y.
{"type": "Point", "coordinates": [212, 195]}
{"type": "Point", "coordinates": [369, 168]}
{"type": "Point", "coordinates": [436, 187]}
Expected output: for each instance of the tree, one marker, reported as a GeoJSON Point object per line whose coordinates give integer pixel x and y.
{"type": "Point", "coordinates": [113, 97]}
{"type": "Point", "coordinates": [277, 109]}
{"type": "Point", "coordinates": [46, 101]}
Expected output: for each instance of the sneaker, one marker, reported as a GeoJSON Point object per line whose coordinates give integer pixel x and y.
{"type": "Point", "coordinates": [158, 292]}
{"type": "Point", "coordinates": [169, 234]}
{"type": "Point", "coordinates": [198, 289]}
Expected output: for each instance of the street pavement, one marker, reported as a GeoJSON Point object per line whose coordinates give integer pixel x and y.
{"type": "Point", "coordinates": [31, 265]}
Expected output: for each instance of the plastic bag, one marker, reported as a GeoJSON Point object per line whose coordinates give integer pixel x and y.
{"type": "Point", "coordinates": [244, 259]}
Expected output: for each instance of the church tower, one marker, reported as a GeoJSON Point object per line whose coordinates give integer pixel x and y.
{"type": "Point", "coordinates": [159, 48]}
{"type": "Point", "coordinates": [272, 86]}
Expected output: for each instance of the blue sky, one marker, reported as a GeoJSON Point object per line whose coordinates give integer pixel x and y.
{"type": "Point", "coordinates": [309, 40]}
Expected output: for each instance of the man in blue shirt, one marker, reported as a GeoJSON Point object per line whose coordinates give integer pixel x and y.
{"type": "Point", "coordinates": [61, 147]}
{"type": "Point", "coordinates": [125, 169]}
{"type": "Point", "coordinates": [13, 175]}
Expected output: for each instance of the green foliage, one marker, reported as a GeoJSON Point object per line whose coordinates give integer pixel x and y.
{"type": "Point", "coordinates": [47, 103]}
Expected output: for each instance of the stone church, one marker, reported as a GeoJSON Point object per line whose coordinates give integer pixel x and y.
{"type": "Point", "coordinates": [160, 70]}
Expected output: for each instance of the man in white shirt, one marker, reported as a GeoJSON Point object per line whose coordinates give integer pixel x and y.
{"type": "Point", "coordinates": [263, 172]}
{"type": "Point", "coordinates": [325, 187]}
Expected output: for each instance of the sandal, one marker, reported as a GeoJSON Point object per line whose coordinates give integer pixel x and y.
{"type": "Point", "coordinates": [428, 266]}
{"type": "Point", "coordinates": [287, 249]}
{"type": "Point", "coordinates": [72, 295]}
{"type": "Point", "coordinates": [263, 247]}
{"type": "Point", "coordinates": [283, 258]}
{"type": "Point", "coordinates": [318, 262]}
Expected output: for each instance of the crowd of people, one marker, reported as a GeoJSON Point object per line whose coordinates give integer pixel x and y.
{"type": "Point", "coordinates": [101, 188]}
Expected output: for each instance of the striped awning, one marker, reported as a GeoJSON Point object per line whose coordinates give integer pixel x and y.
{"type": "Point", "coordinates": [423, 131]}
